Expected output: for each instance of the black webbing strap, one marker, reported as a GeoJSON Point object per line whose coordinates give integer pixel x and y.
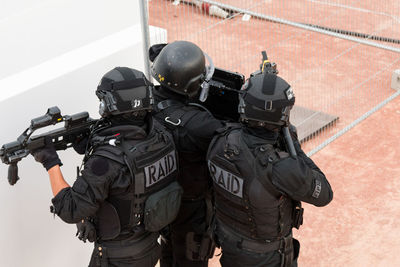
{"type": "Point", "coordinates": [201, 107]}
{"type": "Point", "coordinates": [167, 103]}
{"type": "Point", "coordinates": [267, 105]}
{"type": "Point", "coordinates": [178, 118]}
{"type": "Point", "coordinates": [123, 85]}
{"type": "Point", "coordinates": [271, 158]}
{"type": "Point", "coordinates": [138, 179]}
{"type": "Point", "coordinates": [258, 246]}
{"type": "Point", "coordinates": [126, 73]}
{"type": "Point", "coordinates": [266, 183]}
{"type": "Point", "coordinates": [134, 249]}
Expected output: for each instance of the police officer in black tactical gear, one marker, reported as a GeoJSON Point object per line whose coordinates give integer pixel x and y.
{"type": "Point", "coordinates": [127, 191]}
{"type": "Point", "coordinates": [181, 70]}
{"type": "Point", "coordinates": [258, 185]}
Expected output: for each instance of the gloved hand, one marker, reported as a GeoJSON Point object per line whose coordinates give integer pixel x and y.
{"type": "Point", "coordinates": [80, 144]}
{"type": "Point", "coordinates": [86, 231]}
{"type": "Point", "coordinates": [47, 155]}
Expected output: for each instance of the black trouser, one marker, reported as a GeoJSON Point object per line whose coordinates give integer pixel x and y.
{"type": "Point", "coordinates": [235, 253]}
{"type": "Point", "coordinates": [191, 218]}
{"type": "Point", "coordinates": [127, 253]}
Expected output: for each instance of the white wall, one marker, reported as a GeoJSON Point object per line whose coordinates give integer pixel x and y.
{"type": "Point", "coordinates": [53, 54]}
{"type": "Point", "coordinates": [33, 33]}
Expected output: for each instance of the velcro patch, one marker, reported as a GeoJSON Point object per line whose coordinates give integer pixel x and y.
{"type": "Point", "coordinates": [317, 189]}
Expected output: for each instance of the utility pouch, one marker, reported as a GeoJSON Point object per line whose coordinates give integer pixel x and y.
{"type": "Point", "coordinates": [296, 249]}
{"type": "Point", "coordinates": [162, 207]}
{"type": "Point", "coordinates": [286, 251]}
{"type": "Point", "coordinates": [199, 247]}
{"type": "Point", "coordinates": [108, 225]}
{"type": "Point", "coordinates": [297, 214]}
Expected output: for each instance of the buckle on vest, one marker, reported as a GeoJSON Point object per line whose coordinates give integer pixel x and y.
{"type": "Point", "coordinates": [268, 105]}
{"type": "Point", "coordinates": [138, 218]}
{"type": "Point", "coordinates": [167, 119]}
{"type": "Point", "coordinates": [298, 216]}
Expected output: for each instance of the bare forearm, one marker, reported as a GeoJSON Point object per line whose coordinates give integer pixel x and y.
{"type": "Point", "coordinates": [57, 181]}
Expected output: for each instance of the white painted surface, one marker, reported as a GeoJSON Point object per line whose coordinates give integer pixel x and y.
{"type": "Point", "coordinates": [396, 80]}
{"type": "Point", "coordinates": [36, 31]}
{"type": "Point", "coordinates": [60, 52]}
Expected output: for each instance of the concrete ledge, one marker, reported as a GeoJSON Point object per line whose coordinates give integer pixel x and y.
{"type": "Point", "coordinates": [310, 122]}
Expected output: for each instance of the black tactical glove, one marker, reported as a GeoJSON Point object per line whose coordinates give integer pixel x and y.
{"type": "Point", "coordinates": [86, 231]}
{"type": "Point", "coordinates": [47, 155]}
{"type": "Point", "coordinates": [80, 144]}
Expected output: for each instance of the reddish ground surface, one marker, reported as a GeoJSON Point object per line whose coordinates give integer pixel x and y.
{"type": "Point", "coordinates": [360, 227]}
{"type": "Point", "coordinates": [328, 74]}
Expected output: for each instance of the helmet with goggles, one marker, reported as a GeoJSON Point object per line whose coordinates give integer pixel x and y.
{"type": "Point", "coordinates": [124, 90]}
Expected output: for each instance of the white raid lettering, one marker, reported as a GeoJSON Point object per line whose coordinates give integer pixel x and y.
{"type": "Point", "coordinates": [226, 180]}
{"type": "Point", "coordinates": [160, 169]}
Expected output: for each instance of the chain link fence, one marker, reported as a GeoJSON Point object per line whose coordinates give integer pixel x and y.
{"type": "Point", "coordinates": [339, 56]}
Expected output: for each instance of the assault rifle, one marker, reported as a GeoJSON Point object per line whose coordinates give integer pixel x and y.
{"type": "Point", "coordinates": [76, 126]}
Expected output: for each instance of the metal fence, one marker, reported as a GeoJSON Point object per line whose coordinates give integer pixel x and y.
{"type": "Point", "coordinates": [339, 56]}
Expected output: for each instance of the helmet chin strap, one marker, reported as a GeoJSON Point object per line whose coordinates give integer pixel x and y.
{"type": "Point", "coordinates": [205, 86]}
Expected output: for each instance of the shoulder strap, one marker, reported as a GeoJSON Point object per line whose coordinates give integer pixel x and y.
{"type": "Point", "coordinates": [167, 103]}
{"type": "Point", "coordinates": [179, 117]}
{"type": "Point", "coordinates": [138, 179]}
{"type": "Point", "coordinates": [223, 131]}
{"type": "Point", "coordinates": [201, 107]}
{"type": "Point", "coordinates": [110, 152]}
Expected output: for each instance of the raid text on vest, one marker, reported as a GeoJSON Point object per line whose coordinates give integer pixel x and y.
{"type": "Point", "coordinates": [226, 180]}
{"type": "Point", "coordinates": [160, 169]}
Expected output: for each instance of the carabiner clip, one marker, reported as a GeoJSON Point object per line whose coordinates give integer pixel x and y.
{"type": "Point", "coordinates": [167, 119]}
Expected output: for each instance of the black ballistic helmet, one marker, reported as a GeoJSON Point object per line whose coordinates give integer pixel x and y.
{"type": "Point", "coordinates": [124, 90]}
{"type": "Point", "coordinates": [180, 67]}
{"type": "Point", "coordinates": [264, 99]}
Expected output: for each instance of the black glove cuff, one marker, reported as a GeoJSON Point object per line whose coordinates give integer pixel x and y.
{"type": "Point", "coordinates": [48, 164]}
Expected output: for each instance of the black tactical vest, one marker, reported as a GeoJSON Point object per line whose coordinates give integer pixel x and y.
{"type": "Point", "coordinates": [150, 162]}
{"type": "Point", "coordinates": [193, 172]}
{"type": "Point", "coordinates": [245, 199]}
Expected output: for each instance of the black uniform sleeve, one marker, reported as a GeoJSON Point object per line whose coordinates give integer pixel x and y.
{"type": "Point", "coordinates": [201, 128]}
{"type": "Point", "coordinates": [301, 179]}
{"type": "Point", "coordinates": [83, 199]}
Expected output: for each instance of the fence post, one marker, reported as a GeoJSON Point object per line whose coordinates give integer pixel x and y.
{"type": "Point", "coordinates": [144, 19]}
